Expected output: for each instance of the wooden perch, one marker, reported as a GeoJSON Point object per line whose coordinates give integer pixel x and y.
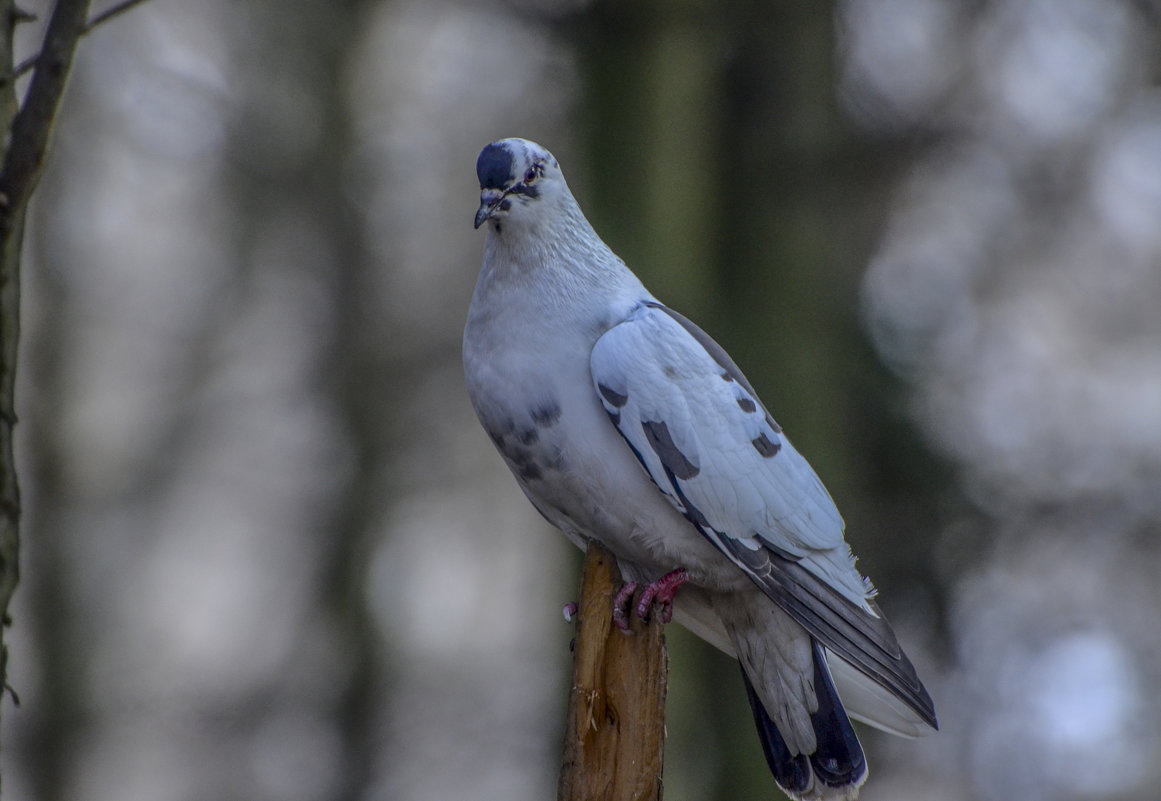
{"type": "Point", "coordinates": [615, 732]}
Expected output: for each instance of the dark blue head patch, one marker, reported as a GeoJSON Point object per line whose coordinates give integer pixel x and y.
{"type": "Point", "coordinates": [495, 167]}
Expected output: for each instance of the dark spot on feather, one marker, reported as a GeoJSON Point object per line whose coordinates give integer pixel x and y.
{"type": "Point", "coordinates": [670, 371]}
{"type": "Point", "coordinates": [612, 396]}
{"type": "Point", "coordinates": [747, 405]}
{"type": "Point", "coordinates": [777, 429]}
{"type": "Point", "coordinates": [510, 449]}
{"type": "Point", "coordinates": [727, 377]}
{"type": "Point", "coordinates": [671, 457]}
{"type": "Point", "coordinates": [615, 417]}
{"type": "Point", "coordinates": [546, 414]}
{"type": "Point", "coordinates": [765, 447]}
{"type": "Point", "coordinates": [523, 463]}
{"type": "Point", "coordinates": [691, 512]}
{"type": "Point", "coordinates": [521, 458]}
{"type": "Point", "coordinates": [499, 430]}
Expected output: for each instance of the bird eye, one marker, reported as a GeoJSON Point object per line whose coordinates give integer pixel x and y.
{"type": "Point", "coordinates": [530, 176]}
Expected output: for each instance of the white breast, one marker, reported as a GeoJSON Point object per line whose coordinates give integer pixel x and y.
{"type": "Point", "coordinates": [529, 381]}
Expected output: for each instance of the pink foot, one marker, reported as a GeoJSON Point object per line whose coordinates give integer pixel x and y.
{"type": "Point", "coordinates": [661, 593]}
{"type": "Point", "coordinates": [570, 611]}
{"type": "Point", "coordinates": [621, 605]}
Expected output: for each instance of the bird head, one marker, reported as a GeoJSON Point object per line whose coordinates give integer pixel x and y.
{"type": "Point", "coordinates": [518, 180]}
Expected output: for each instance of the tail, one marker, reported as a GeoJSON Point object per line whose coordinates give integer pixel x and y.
{"type": "Point", "coordinates": [837, 768]}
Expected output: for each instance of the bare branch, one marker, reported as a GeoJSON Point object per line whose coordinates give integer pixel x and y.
{"type": "Point", "coordinates": [34, 121]}
{"type": "Point", "coordinates": [97, 19]}
{"type": "Point", "coordinates": [27, 132]}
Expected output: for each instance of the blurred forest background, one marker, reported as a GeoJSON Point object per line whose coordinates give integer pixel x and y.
{"type": "Point", "coordinates": [269, 553]}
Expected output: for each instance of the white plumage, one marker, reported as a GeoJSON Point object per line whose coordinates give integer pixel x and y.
{"type": "Point", "coordinates": [625, 423]}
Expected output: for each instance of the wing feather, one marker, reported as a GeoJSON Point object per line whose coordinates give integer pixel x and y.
{"type": "Point", "coordinates": [700, 431]}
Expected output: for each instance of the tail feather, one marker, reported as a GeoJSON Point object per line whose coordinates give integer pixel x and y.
{"type": "Point", "coordinates": [838, 765]}
{"type": "Point", "coordinates": [839, 760]}
{"type": "Point", "coordinates": [791, 771]}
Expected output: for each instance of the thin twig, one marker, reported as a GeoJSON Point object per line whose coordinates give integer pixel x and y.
{"type": "Point", "coordinates": [97, 19]}
{"type": "Point", "coordinates": [109, 13]}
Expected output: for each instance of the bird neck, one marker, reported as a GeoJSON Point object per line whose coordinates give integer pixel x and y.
{"type": "Point", "coordinates": [563, 244]}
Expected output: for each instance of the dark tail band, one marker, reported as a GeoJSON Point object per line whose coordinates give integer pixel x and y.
{"type": "Point", "coordinates": [837, 762]}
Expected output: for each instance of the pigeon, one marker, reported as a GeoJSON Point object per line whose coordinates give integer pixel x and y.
{"type": "Point", "coordinates": [626, 424]}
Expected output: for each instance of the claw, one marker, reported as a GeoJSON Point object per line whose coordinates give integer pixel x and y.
{"type": "Point", "coordinates": [661, 593]}
{"type": "Point", "coordinates": [621, 604]}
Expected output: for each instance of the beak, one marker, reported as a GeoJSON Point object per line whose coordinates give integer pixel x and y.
{"type": "Point", "coordinates": [489, 202]}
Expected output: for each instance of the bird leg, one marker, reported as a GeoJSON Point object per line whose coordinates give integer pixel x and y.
{"type": "Point", "coordinates": [661, 593]}
{"type": "Point", "coordinates": [621, 605]}
{"type": "Point", "coordinates": [570, 611]}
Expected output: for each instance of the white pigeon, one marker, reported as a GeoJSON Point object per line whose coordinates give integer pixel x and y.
{"type": "Point", "coordinates": [626, 424]}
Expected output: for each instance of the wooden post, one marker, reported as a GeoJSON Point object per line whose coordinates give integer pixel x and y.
{"type": "Point", "coordinates": [615, 732]}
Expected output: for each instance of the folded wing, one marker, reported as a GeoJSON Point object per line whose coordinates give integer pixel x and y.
{"type": "Point", "coordinates": [697, 427]}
